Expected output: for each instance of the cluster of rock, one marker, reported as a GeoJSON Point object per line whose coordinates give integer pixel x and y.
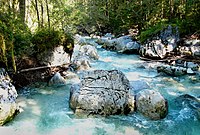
{"type": "Point", "coordinates": [108, 92]}
{"type": "Point", "coordinates": [84, 53]}
{"type": "Point", "coordinates": [55, 56]}
{"type": "Point", "coordinates": [161, 45]}
{"type": "Point", "coordinates": [123, 44]}
{"type": "Point", "coordinates": [179, 67]}
{"type": "Point", "coordinates": [8, 95]}
{"type": "Point", "coordinates": [189, 48]}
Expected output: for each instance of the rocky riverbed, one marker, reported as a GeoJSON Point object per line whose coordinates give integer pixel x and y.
{"type": "Point", "coordinates": [165, 100]}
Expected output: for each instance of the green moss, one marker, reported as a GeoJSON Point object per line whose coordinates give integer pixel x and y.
{"type": "Point", "coordinates": [152, 31]}
{"type": "Point", "coordinates": [3, 58]}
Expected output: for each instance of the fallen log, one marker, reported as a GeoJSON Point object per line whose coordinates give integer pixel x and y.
{"type": "Point", "coordinates": [37, 68]}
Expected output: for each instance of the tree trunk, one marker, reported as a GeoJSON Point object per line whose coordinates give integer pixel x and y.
{"type": "Point", "coordinates": [38, 15]}
{"type": "Point", "coordinates": [3, 58]}
{"type": "Point", "coordinates": [48, 13]}
{"type": "Point", "coordinates": [171, 13]}
{"type": "Point", "coordinates": [42, 14]}
{"type": "Point", "coordinates": [22, 9]}
{"type": "Point", "coordinates": [13, 58]}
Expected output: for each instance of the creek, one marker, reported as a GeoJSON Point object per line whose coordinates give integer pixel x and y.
{"type": "Point", "coordinates": [46, 109]}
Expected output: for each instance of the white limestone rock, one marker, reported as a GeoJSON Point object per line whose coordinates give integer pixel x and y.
{"type": "Point", "coordinates": [103, 92]}
{"type": "Point", "coordinates": [151, 104]}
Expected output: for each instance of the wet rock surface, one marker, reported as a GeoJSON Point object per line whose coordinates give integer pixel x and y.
{"type": "Point", "coordinates": [103, 92]}
{"type": "Point", "coordinates": [57, 79]}
{"type": "Point", "coordinates": [8, 95]}
{"type": "Point", "coordinates": [123, 44]}
{"type": "Point", "coordinates": [83, 55]}
{"type": "Point", "coordinates": [179, 68]}
{"type": "Point", "coordinates": [189, 101]}
{"type": "Point", "coordinates": [162, 44]}
{"type": "Point", "coordinates": [151, 104]}
{"type": "Point", "coordinates": [139, 85]}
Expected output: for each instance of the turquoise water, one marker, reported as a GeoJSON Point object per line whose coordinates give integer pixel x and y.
{"type": "Point", "coordinates": [46, 109]}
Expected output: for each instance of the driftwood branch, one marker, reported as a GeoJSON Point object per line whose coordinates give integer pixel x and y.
{"type": "Point", "coordinates": [37, 68]}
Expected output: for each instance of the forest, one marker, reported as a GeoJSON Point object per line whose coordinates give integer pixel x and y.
{"type": "Point", "coordinates": [30, 26]}
{"type": "Point", "coordinates": [100, 67]}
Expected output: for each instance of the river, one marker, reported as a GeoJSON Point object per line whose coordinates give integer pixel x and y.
{"type": "Point", "coordinates": [46, 109]}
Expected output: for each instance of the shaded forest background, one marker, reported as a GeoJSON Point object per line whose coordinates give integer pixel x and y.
{"type": "Point", "coordinates": [30, 26]}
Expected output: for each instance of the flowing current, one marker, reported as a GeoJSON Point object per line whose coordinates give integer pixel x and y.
{"type": "Point", "coordinates": [46, 109]}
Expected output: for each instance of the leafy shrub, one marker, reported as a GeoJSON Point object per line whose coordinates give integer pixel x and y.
{"type": "Point", "coordinates": [45, 39]}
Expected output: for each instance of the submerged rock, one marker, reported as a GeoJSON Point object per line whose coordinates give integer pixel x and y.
{"type": "Point", "coordinates": [189, 101]}
{"type": "Point", "coordinates": [8, 95]}
{"type": "Point", "coordinates": [178, 68]}
{"type": "Point", "coordinates": [57, 79]}
{"type": "Point", "coordinates": [193, 66]}
{"type": "Point", "coordinates": [172, 70]}
{"type": "Point", "coordinates": [103, 92]}
{"type": "Point", "coordinates": [139, 85]}
{"type": "Point", "coordinates": [151, 104]}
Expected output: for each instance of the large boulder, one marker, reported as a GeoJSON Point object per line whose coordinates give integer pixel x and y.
{"type": "Point", "coordinates": [159, 46]}
{"type": "Point", "coordinates": [151, 104]}
{"type": "Point", "coordinates": [56, 56]}
{"type": "Point", "coordinates": [8, 95]}
{"type": "Point", "coordinates": [103, 92]}
{"type": "Point", "coordinates": [154, 49]}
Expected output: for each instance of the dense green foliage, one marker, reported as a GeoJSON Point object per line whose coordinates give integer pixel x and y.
{"type": "Point", "coordinates": [33, 26]}
{"type": "Point", "coordinates": [45, 39]}
{"type": "Point", "coordinates": [118, 16]}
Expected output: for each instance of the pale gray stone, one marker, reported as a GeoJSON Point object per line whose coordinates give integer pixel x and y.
{"type": "Point", "coordinates": [8, 95]}
{"type": "Point", "coordinates": [56, 56]}
{"type": "Point", "coordinates": [103, 92]}
{"type": "Point", "coordinates": [57, 79]}
{"type": "Point", "coordinates": [151, 104]}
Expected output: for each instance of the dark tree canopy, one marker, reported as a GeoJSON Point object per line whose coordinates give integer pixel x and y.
{"type": "Point", "coordinates": [21, 20]}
